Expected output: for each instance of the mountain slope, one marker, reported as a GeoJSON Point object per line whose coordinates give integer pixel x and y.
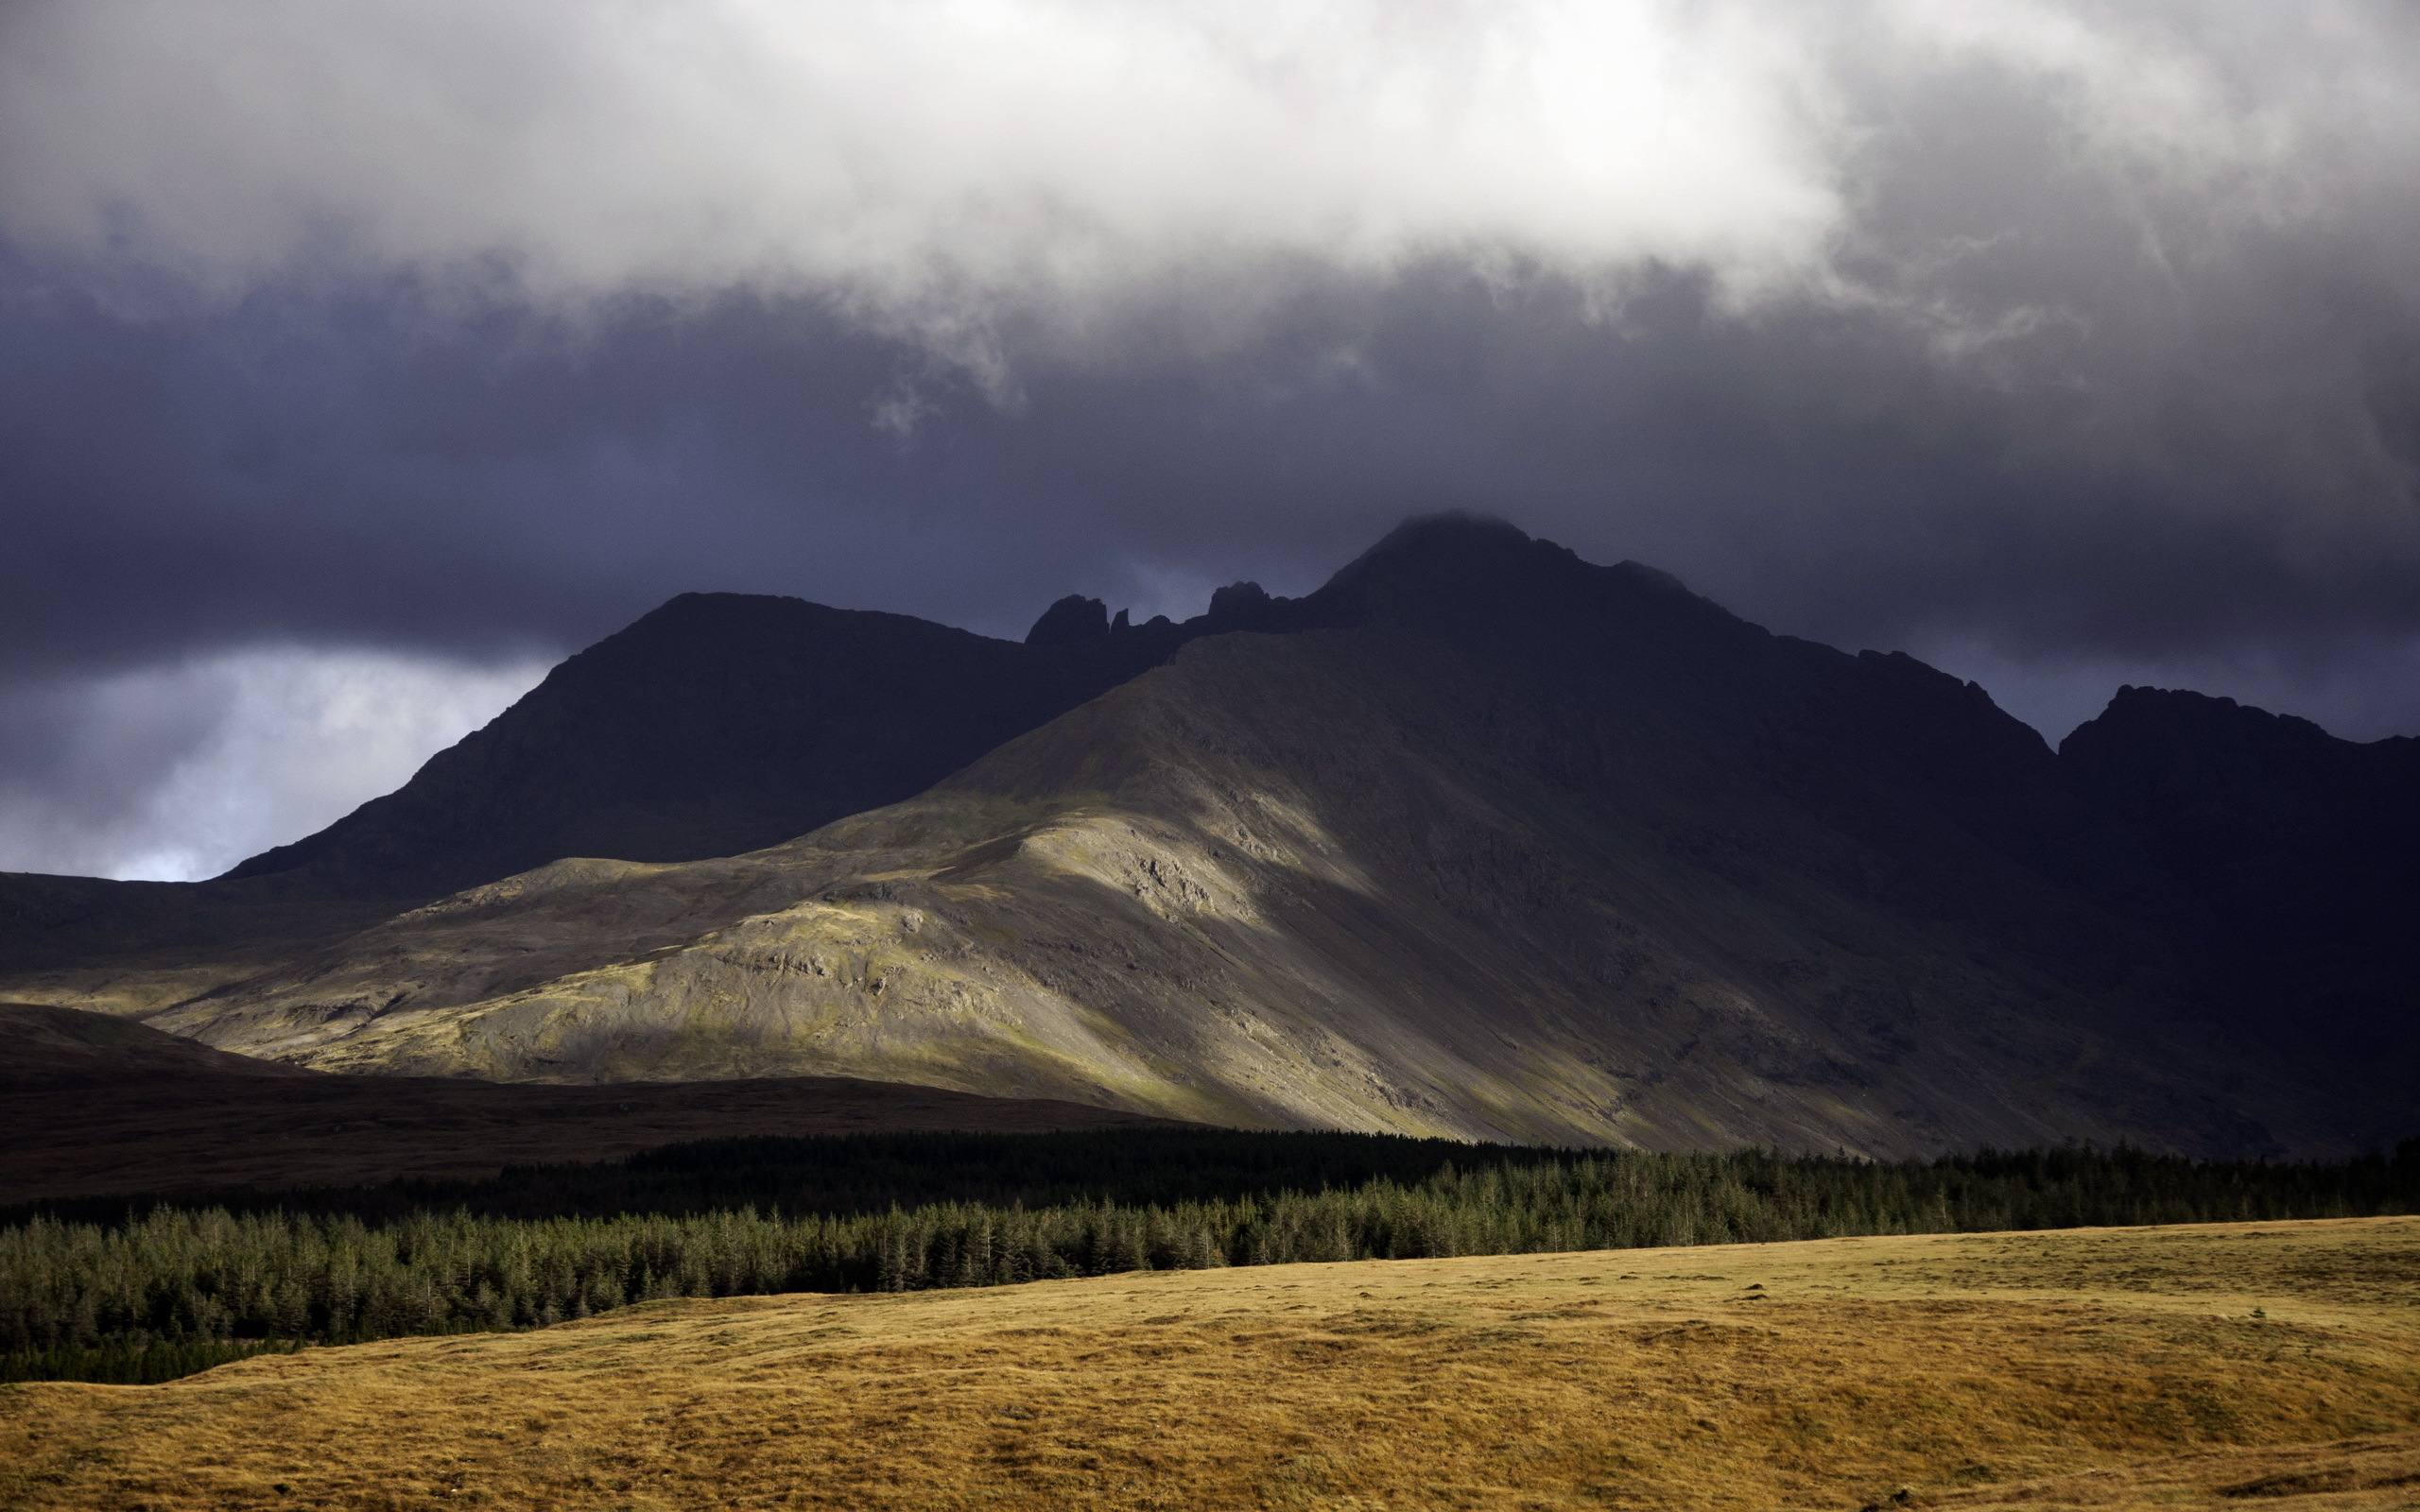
{"type": "Point", "coordinates": [1539, 850]}
{"type": "Point", "coordinates": [48, 1049]}
{"type": "Point", "coordinates": [97, 1105]}
{"type": "Point", "coordinates": [716, 723]}
{"type": "Point", "coordinates": [719, 723]}
{"type": "Point", "coordinates": [1479, 839]}
{"type": "Point", "coordinates": [2287, 861]}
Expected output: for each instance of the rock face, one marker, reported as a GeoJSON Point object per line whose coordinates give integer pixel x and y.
{"type": "Point", "coordinates": [1480, 839]}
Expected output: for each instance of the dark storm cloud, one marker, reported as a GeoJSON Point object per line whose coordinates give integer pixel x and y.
{"type": "Point", "coordinates": [2071, 343]}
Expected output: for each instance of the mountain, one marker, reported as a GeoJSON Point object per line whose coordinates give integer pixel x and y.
{"type": "Point", "coordinates": [1479, 839]}
{"type": "Point", "coordinates": [721, 722]}
{"type": "Point", "coordinates": [2286, 862]}
{"type": "Point", "coordinates": [716, 723]}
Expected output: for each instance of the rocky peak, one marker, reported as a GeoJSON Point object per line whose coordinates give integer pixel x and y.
{"type": "Point", "coordinates": [1073, 618]}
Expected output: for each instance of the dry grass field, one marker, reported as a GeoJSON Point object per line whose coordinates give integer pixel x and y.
{"type": "Point", "coordinates": [2246, 1366]}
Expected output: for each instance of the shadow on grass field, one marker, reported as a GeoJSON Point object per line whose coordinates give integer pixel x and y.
{"type": "Point", "coordinates": [2221, 1365]}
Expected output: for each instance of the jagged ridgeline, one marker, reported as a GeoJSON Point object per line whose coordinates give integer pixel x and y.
{"type": "Point", "coordinates": [201, 1284]}
{"type": "Point", "coordinates": [1479, 840]}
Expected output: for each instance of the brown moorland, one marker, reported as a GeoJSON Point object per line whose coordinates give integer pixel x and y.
{"type": "Point", "coordinates": [2185, 1367]}
{"type": "Point", "coordinates": [94, 1106]}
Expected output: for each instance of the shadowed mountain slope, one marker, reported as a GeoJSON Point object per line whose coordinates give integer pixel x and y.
{"type": "Point", "coordinates": [54, 1049]}
{"type": "Point", "coordinates": [719, 723]}
{"type": "Point", "coordinates": [1480, 839]}
{"type": "Point", "coordinates": [1534, 849]}
{"type": "Point", "coordinates": [716, 723]}
{"type": "Point", "coordinates": [95, 1105]}
{"type": "Point", "coordinates": [2286, 866]}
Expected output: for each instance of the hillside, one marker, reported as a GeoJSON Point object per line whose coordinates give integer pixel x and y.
{"type": "Point", "coordinates": [2121, 1369]}
{"type": "Point", "coordinates": [50, 1049]}
{"type": "Point", "coordinates": [716, 723]}
{"type": "Point", "coordinates": [1541, 851]}
{"type": "Point", "coordinates": [99, 1105]}
{"type": "Point", "coordinates": [2287, 862]}
{"type": "Point", "coordinates": [1485, 841]}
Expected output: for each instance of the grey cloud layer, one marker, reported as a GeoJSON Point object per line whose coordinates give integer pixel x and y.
{"type": "Point", "coordinates": [2064, 338]}
{"type": "Point", "coordinates": [176, 772]}
{"type": "Point", "coordinates": [928, 160]}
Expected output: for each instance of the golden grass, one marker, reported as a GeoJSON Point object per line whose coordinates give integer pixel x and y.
{"type": "Point", "coordinates": [2226, 1365]}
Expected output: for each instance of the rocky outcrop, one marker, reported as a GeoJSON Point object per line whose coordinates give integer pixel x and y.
{"type": "Point", "coordinates": [1074, 618]}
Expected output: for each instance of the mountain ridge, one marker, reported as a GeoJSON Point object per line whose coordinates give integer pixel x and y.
{"type": "Point", "coordinates": [1478, 839]}
{"type": "Point", "coordinates": [845, 710]}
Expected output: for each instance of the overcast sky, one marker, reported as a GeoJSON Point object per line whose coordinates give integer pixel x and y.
{"type": "Point", "coordinates": [358, 359]}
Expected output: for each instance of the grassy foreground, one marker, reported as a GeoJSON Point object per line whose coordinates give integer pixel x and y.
{"type": "Point", "coordinates": [2219, 1365]}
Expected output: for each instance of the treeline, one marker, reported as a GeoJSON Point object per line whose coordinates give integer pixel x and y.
{"type": "Point", "coordinates": [875, 1172]}
{"type": "Point", "coordinates": [176, 1276]}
